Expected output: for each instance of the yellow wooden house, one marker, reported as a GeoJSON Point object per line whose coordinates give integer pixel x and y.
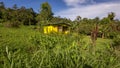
{"type": "Point", "coordinates": [56, 28]}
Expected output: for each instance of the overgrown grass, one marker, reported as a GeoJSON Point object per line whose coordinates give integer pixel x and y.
{"type": "Point", "coordinates": [25, 47]}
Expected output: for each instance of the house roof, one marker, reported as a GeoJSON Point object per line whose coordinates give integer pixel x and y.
{"type": "Point", "coordinates": [59, 24]}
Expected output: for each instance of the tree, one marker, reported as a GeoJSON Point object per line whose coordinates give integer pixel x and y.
{"type": "Point", "coordinates": [111, 16]}
{"type": "Point", "coordinates": [94, 34]}
{"type": "Point", "coordinates": [78, 18]}
{"type": "Point", "coordinates": [45, 13]}
{"type": "Point", "coordinates": [30, 15]}
{"type": "Point", "coordinates": [2, 5]}
{"type": "Point", "coordinates": [2, 9]}
{"type": "Point", "coordinates": [108, 25]}
{"type": "Point", "coordinates": [26, 16]}
{"type": "Point", "coordinates": [96, 20]}
{"type": "Point", "coordinates": [15, 7]}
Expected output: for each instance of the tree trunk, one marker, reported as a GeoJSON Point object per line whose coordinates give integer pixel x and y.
{"type": "Point", "coordinates": [29, 22]}
{"type": "Point", "coordinates": [103, 35]}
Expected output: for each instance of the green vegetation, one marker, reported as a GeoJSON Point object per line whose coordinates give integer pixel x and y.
{"type": "Point", "coordinates": [91, 43]}
{"type": "Point", "coordinates": [27, 48]}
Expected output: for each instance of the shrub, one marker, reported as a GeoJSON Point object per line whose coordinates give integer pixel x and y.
{"type": "Point", "coordinates": [112, 35]}
{"type": "Point", "coordinates": [12, 24]}
{"type": "Point", "coordinates": [116, 41]}
{"type": "Point", "coordinates": [85, 29]}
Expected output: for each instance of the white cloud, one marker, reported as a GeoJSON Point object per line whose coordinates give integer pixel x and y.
{"type": "Point", "coordinates": [91, 11]}
{"type": "Point", "coordinates": [74, 2]}
{"type": "Point", "coordinates": [77, 2]}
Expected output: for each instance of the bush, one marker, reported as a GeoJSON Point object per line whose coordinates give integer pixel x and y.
{"type": "Point", "coordinates": [12, 24]}
{"type": "Point", "coordinates": [116, 41]}
{"type": "Point", "coordinates": [85, 29]}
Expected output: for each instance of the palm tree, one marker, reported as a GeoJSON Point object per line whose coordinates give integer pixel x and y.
{"type": "Point", "coordinates": [107, 25]}
{"type": "Point", "coordinates": [111, 16]}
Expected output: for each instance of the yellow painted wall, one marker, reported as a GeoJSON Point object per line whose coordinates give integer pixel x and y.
{"type": "Point", "coordinates": [45, 30]}
{"type": "Point", "coordinates": [50, 29]}
{"type": "Point", "coordinates": [55, 29]}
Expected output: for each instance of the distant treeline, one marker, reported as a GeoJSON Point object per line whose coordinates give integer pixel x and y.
{"type": "Point", "coordinates": [27, 16]}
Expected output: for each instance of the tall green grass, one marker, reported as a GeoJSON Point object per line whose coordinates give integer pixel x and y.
{"type": "Point", "coordinates": [27, 48]}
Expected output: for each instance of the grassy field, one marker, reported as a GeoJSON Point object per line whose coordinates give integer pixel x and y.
{"type": "Point", "coordinates": [25, 47]}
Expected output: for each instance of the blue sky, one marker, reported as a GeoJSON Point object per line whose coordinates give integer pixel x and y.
{"type": "Point", "coordinates": [72, 8]}
{"type": "Point", "coordinates": [56, 5]}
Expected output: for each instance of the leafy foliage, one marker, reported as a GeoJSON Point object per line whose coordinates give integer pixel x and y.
{"type": "Point", "coordinates": [116, 41]}
{"type": "Point", "coordinates": [45, 13]}
{"type": "Point", "coordinates": [25, 48]}
{"type": "Point", "coordinates": [17, 15]}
